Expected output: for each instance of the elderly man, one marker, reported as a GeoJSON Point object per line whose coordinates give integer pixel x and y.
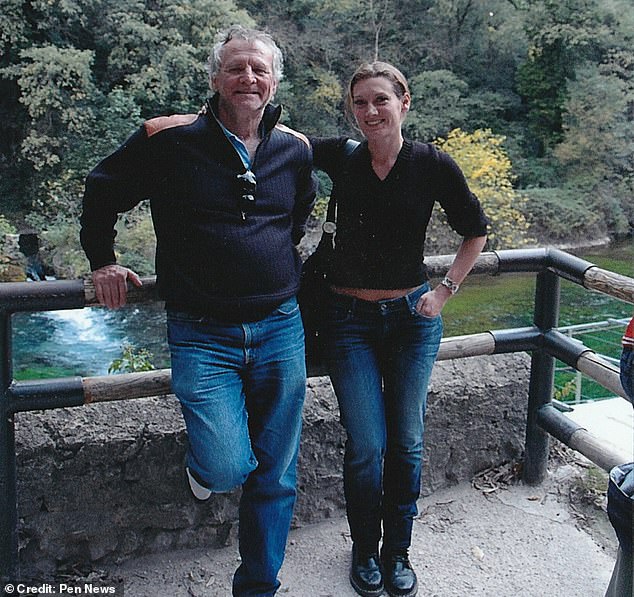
{"type": "Point", "coordinates": [230, 190]}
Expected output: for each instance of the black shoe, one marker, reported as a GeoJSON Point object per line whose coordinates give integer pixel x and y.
{"type": "Point", "coordinates": [365, 574]}
{"type": "Point", "coordinates": [400, 579]}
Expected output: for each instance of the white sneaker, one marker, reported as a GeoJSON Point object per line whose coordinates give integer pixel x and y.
{"type": "Point", "coordinates": [200, 492]}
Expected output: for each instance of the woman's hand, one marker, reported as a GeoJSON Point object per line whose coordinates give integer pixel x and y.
{"type": "Point", "coordinates": [432, 302]}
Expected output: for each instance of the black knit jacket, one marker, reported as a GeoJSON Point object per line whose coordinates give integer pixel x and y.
{"type": "Point", "coordinates": [382, 224]}
{"type": "Point", "coordinates": [211, 259]}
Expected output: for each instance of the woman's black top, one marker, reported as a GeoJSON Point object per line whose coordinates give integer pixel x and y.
{"type": "Point", "coordinates": [382, 224]}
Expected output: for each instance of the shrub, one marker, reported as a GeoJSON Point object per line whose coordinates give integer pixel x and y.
{"type": "Point", "coordinates": [488, 170]}
{"type": "Point", "coordinates": [558, 214]}
{"type": "Point", "coordinates": [132, 359]}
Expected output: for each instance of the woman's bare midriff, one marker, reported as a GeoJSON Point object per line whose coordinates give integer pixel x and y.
{"type": "Point", "coordinates": [373, 294]}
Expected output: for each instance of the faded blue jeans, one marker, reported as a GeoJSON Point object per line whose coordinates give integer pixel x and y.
{"type": "Point", "coordinates": [381, 357]}
{"type": "Point", "coordinates": [241, 387]}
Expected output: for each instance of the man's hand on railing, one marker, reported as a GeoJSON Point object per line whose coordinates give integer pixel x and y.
{"type": "Point", "coordinates": [111, 284]}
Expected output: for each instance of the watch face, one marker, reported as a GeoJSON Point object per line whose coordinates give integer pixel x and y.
{"type": "Point", "coordinates": [329, 227]}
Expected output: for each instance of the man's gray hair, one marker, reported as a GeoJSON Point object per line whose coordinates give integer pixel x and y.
{"type": "Point", "coordinates": [224, 36]}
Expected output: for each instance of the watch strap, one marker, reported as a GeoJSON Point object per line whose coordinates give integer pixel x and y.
{"type": "Point", "coordinates": [447, 282]}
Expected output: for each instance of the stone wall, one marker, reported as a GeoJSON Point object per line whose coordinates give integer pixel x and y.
{"type": "Point", "coordinates": [103, 483]}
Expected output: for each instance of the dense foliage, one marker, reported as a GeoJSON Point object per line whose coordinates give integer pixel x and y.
{"type": "Point", "coordinates": [544, 89]}
{"type": "Point", "coordinates": [486, 165]}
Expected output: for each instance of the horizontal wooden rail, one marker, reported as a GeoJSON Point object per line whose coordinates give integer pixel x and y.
{"type": "Point", "coordinates": [616, 285]}
{"type": "Point", "coordinates": [455, 347]}
{"type": "Point", "coordinates": [486, 263]}
{"type": "Point", "coordinates": [491, 263]}
{"type": "Point", "coordinates": [601, 371]}
{"type": "Point", "coordinates": [594, 450]}
{"type": "Point", "coordinates": [578, 438]}
{"type": "Point", "coordinates": [148, 292]}
{"type": "Point", "coordinates": [72, 294]}
{"type": "Point", "coordinates": [43, 394]}
{"type": "Point", "coordinates": [144, 384]}
{"type": "Point", "coordinates": [156, 383]}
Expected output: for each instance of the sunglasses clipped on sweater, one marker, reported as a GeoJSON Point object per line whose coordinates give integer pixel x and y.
{"type": "Point", "coordinates": [248, 186]}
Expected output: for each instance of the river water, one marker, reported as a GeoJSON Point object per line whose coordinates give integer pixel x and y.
{"type": "Point", "coordinates": [85, 341]}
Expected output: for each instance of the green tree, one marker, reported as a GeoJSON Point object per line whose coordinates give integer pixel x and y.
{"type": "Point", "coordinates": [563, 35]}
{"type": "Point", "coordinates": [597, 153]}
{"type": "Point", "coordinates": [158, 53]}
{"type": "Point", "coordinates": [542, 83]}
{"type": "Point", "coordinates": [314, 101]}
{"type": "Point", "coordinates": [487, 167]}
{"type": "Point", "coordinates": [439, 104]}
{"type": "Point", "coordinates": [56, 88]}
{"type": "Point", "coordinates": [597, 125]}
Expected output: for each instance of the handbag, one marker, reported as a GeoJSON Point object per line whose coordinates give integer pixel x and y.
{"type": "Point", "coordinates": [313, 291]}
{"type": "Point", "coordinates": [314, 285]}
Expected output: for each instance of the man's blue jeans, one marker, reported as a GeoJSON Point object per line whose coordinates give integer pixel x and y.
{"type": "Point", "coordinates": [241, 387]}
{"type": "Point", "coordinates": [381, 357]}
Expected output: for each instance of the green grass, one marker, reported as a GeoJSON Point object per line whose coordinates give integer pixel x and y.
{"type": "Point", "coordinates": [493, 303]}
{"type": "Point", "coordinates": [42, 372]}
{"type": "Point", "coordinates": [489, 303]}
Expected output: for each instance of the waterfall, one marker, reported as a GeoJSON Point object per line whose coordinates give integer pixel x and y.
{"type": "Point", "coordinates": [82, 325]}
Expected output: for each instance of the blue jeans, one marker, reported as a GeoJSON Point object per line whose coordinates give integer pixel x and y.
{"type": "Point", "coordinates": [381, 356]}
{"type": "Point", "coordinates": [627, 372]}
{"type": "Point", "coordinates": [241, 387]}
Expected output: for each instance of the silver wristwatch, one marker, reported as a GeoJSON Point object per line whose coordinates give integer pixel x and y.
{"type": "Point", "coordinates": [449, 283]}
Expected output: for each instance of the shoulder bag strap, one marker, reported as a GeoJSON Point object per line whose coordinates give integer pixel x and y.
{"type": "Point", "coordinates": [330, 225]}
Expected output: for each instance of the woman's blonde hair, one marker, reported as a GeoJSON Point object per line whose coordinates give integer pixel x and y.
{"type": "Point", "coordinates": [377, 69]}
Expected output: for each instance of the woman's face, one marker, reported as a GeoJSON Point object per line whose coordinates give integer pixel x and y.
{"type": "Point", "coordinates": [376, 107]}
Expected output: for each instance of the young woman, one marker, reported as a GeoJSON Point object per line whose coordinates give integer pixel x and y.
{"type": "Point", "coordinates": [384, 319]}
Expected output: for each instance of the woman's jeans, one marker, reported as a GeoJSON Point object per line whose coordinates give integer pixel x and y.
{"type": "Point", "coordinates": [381, 356]}
{"type": "Point", "coordinates": [241, 387]}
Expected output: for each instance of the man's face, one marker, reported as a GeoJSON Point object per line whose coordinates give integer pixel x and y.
{"type": "Point", "coordinates": [245, 81]}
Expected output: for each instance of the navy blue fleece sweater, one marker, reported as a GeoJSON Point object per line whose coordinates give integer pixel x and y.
{"type": "Point", "coordinates": [210, 260]}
